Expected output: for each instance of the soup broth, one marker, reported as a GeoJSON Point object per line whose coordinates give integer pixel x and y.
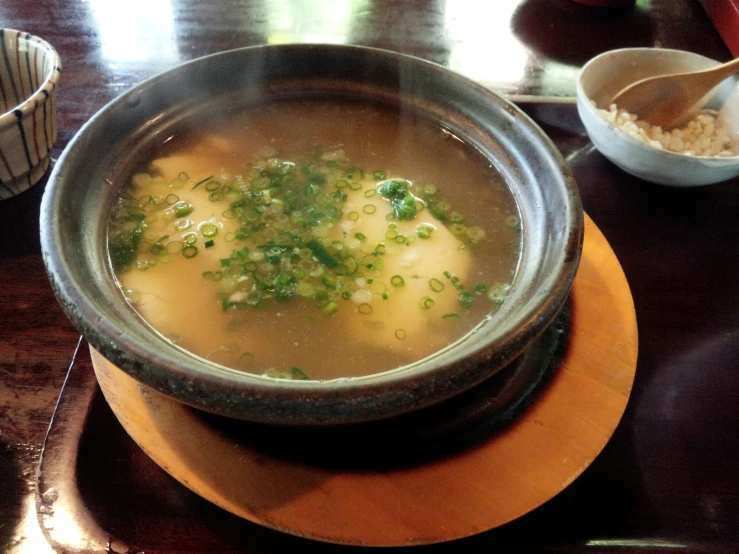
{"type": "Point", "coordinates": [310, 239]}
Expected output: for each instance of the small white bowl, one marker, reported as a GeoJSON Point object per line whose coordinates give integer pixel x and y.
{"type": "Point", "coordinates": [29, 72]}
{"type": "Point", "coordinates": [609, 72]}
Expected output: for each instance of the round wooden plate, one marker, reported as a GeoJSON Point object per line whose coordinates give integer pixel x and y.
{"type": "Point", "coordinates": [433, 499]}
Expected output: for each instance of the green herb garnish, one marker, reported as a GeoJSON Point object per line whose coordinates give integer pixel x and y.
{"type": "Point", "coordinates": [403, 202]}
{"type": "Point", "coordinates": [321, 254]}
{"type": "Point", "coordinates": [196, 185]}
{"type": "Point", "coordinates": [299, 374]}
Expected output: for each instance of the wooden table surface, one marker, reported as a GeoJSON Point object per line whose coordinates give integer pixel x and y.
{"type": "Point", "coordinates": [671, 469]}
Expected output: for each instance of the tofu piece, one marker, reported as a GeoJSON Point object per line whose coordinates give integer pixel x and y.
{"type": "Point", "coordinates": [424, 330]}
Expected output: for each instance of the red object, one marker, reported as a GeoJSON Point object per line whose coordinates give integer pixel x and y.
{"type": "Point", "coordinates": [725, 16]}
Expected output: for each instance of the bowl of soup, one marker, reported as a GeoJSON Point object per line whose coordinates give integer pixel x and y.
{"type": "Point", "coordinates": [311, 234]}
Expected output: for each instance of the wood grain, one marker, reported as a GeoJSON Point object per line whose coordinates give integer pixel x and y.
{"type": "Point", "coordinates": [436, 500]}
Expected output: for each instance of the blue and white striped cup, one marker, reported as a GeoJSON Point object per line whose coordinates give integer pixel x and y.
{"type": "Point", "coordinates": [29, 73]}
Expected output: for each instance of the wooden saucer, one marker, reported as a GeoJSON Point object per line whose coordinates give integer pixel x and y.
{"type": "Point", "coordinates": [431, 499]}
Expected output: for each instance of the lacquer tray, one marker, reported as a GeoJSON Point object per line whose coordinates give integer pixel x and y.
{"type": "Point", "coordinates": [98, 490]}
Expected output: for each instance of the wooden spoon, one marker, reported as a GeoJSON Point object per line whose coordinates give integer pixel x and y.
{"type": "Point", "coordinates": [665, 99]}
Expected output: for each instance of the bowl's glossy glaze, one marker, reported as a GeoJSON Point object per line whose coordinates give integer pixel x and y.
{"type": "Point", "coordinates": [605, 75]}
{"type": "Point", "coordinates": [85, 181]}
{"type": "Point", "coordinates": [29, 76]}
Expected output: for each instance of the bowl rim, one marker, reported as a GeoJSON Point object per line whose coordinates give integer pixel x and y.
{"type": "Point", "coordinates": [43, 91]}
{"type": "Point", "coordinates": [358, 388]}
{"type": "Point", "coordinates": [587, 103]}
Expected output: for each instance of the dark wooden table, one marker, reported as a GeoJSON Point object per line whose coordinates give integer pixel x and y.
{"type": "Point", "coordinates": [669, 478]}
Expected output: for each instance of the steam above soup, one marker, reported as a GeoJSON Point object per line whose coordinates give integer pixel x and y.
{"type": "Point", "coordinates": [316, 240]}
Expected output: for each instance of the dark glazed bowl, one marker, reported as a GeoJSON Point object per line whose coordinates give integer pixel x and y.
{"type": "Point", "coordinates": [87, 177]}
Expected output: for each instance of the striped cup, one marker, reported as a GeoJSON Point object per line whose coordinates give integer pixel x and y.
{"type": "Point", "coordinates": [29, 72]}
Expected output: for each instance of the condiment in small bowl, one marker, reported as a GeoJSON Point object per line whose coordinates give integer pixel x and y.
{"type": "Point", "coordinates": [674, 164]}
{"type": "Point", "coordinates": [29, 74]}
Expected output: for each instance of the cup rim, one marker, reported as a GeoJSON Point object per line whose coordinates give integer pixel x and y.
{"type": "Point", "coordinates": [43, 92]}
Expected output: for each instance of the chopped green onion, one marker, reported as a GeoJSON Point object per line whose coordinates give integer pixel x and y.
{"type": "Point", "coordinates": [397, 281]}
{"type": "Point", "coordinates": [394, 188]}
{"type": "Point", "coordinates": [466, 299]}
{"type": "Point", "coordinates": [405, 209]}
{"type": "Point", "coordinates": [369, 209]}
{"type": "Point", "coordinates": [436, 285]}
{"type": "Point", "coordinates": [331, 308]}
{"type": "Point", "coordinates": [208, 243]}
{"type": "Point", "coordinates": [404, 203]}
{"type": "Point", "coordinates": [456, 281]}
{"type": "Point", "coordinates": [196, 185]}
{"type": "Point", "coordinates": [400, 334]}
{"type": "Point", "coordinates": [480, 288]}
{"type": "Point", "coordinates": [458, 229]}
{"type": "Point", "coordinates": [497, 292]}
{"type": "Point", "coordinates": [208, 230]}
{"type": "Point", "coordinates": [456, 217]}
{"type": "Point", "coordinates": [425, 230]}
{"type": "Point", "coordinates": [475, 234]}
{"type": "Point", "coordinates": [321, 298]}
{"type": "Point", "coordinates": [212, 275]}
{"type": "Point", "coordinates": [299, 374]}
{"type": "Point", "coordinates": [190, 251]}
{"type": "Point", "coordinates": [183, 224]}
{"type": "Point", "coordinates": [146, 199]}
{"type": "Point", "coordinates": [175, 247]}
{"type": "Point", "coordinates": [379, 175]}
{"type": "Point", "coordinates": [450, 316]}
{"type": "Point", "coordinates": [305, 289]}
{"type": "Point", "coordinates": [513, 248]}
{"type": "Point", "coordinates": [181, 209]}
{"type": "Point", "coordinates": [321, 254]}
{"type": "Point", "coordinates": [246, 360]}
{"type": "Point", "coordinates": [439, 209]}
{"type": "Point", "coordinates": [427, 191]}
{"type": "Point", "coordinates": [426, 303]}
{"type": "Point", "coordinates": [351, 265]}
{"type": "Point", "coordinates": [364, 308]}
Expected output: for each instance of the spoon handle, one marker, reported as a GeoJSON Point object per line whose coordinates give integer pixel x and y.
{"type": "Point", "coordinates": [666, 100]}
{"type": "Point", "coordinates": [721, 72]}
